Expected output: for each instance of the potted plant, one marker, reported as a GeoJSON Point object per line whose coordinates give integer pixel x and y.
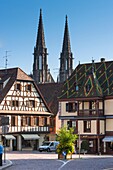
{"type": "Point", "coordinates": [66, 144]}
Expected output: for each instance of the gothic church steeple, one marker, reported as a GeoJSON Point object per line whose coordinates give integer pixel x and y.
{"type": "Point", "coordinates": [41, 73]}
{"type": "Point", "coordinates": [40, 43]}
{"type": "Point", "coordinates": [66, 56]}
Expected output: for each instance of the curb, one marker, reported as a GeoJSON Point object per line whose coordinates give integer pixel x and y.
{"type": "Point", "coordinates": [6, 164]}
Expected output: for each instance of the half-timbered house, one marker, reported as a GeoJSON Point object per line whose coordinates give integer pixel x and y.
{"type": "Point", "coordinates": [30, 118]}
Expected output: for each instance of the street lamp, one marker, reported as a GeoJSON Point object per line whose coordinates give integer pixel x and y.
{"type": "Point", "coordinates": [79, 144]}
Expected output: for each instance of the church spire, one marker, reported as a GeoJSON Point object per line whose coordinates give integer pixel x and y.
{"type": "Point", "coordinates": [41, 73]}
{"type": "Point", "coordinates": [66, 56]}
{"type": "Point", "coordinates": [66, 41]}
{"type": "Point", "coordinates": [40, 43]}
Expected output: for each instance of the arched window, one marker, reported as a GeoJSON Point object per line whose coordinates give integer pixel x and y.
{"type": "Point", "coordinates": [40, 62]}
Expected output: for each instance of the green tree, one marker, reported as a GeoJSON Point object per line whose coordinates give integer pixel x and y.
{"type": "Point", "coordinates": [66, 140]}
{"type": "Point", "coordinates": [85, 145]}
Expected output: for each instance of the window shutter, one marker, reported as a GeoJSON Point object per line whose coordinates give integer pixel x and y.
{"type": "Point", "coordinates": [48, 121]}
{"type": "Point", "coordinates": [32, 121]}
{"type": "Point", "coordinates": [23, 121]}
{"type": "Point", "coordinates": [40, 121]}
{"type": "Point", "coordinates": [16, 120]}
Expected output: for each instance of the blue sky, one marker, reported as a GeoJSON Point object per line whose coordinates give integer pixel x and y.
{"type": "Point", "coordinates": [90, 27]}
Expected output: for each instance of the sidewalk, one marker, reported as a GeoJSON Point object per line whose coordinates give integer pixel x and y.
{"type": "Point", "coordinates": [8, 163]}
{"type": "Point", "coordinates": [5, 164]}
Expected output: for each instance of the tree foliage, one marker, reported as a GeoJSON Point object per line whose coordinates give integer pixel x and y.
{"type": "Point", "coordinates": [85, 145]}
{"type": "Point", "coordinates": [66, 140]}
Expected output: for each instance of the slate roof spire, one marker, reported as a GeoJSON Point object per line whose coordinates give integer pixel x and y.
{"type": "Point", "coordinates": [66, 41]}
{"type": "Point", "coordinates": [66, 56]}
{"type": "Point", "coordinates": [40, 43]}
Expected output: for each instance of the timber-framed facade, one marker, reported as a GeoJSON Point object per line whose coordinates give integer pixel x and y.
{"type": "Point", "coordinates": [30, 119]}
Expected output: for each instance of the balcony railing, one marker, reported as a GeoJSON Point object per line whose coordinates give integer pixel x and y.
{"type": "Point", "coordinates": [91, 112]}
{"type": "Point", "coordinates": [29, 129]}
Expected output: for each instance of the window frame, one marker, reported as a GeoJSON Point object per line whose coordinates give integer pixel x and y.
{"type": "Point", "coordinates": [87, 126]}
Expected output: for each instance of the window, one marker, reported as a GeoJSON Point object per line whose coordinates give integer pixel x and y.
{"type": "Point", "coordinates": [30, 103]}
{"type": "Point", "coordinates": [87, 126]}
{"type": "Point", "coordinates": [15, 103]}
{"type": "Point", "coordinates": [18, 86]}
{"type": "Point", "coordinates": [36, 121]}
{"type": "Point", "coordinates": [76, 87]}
{"type": "Point", "coordinates": [71, 124]}
{"type": "Point", "coordinates": [26, 121]}
{"type": "Point", "coordinates": [40, 62]}
{"type": "Point", "coordinates": [45, 121]}
{"type": "Point", "coordinates": [13, 121]}
{"type": "Point", "coordinates": [28, 87]}
{"type": "Point", "coordinates": [71, 107]}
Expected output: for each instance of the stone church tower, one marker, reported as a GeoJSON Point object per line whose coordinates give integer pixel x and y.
{"type": "Point", "coordinates": [41, 73]}
{"type": "Point", "coordinates": [66, 56]}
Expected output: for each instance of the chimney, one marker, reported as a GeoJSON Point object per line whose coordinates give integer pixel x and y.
{"type": "Point", "coordinates": [102, 59]}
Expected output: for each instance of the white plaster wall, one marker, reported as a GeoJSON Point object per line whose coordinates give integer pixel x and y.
{"type": "Point", "coordinates": [80, 126]}
{"type": "Point", "coordinates": [109, 107]}
{"type": "Point", "coordinates": [80, 105]}
{"type": "Point", "coordinates": [86, 105]}
{"type": "Point", "coordinates": [100, 105]}
{"type": "Point", "coordinates": [94, 126]}
{"type": "Point", "coordinates": [109, 124]}
{"type": "Point", "coordinates": [102, 127]}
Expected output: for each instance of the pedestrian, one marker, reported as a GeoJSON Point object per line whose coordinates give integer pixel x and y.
{"type": "Point", "coordinates": [1, 153]}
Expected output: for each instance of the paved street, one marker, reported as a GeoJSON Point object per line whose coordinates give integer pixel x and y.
{"type": "Point", "coordinates": [28, 160]}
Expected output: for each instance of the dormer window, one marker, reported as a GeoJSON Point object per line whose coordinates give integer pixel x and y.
{"type": "Point", "coordinates": [18, 86]}
{"type": "Point", "coordinates": [28, 87]}
{"type": "Point", "coordinates": [76, 87]}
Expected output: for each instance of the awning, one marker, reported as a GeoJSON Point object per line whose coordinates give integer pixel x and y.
{"type": "Point", "coordinates": [108, 139]}
{"type": "Point", "coordinates": [8, 137]}
{"type": "Point", "coordinates": [30, 136]}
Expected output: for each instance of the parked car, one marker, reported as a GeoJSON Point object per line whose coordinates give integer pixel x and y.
{"type": "Point", "coordinates": [48, 146]}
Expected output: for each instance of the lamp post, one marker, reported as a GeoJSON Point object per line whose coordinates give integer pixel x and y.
{"type": "Point", "coordinates": [4, 131]}
{"type": "Point", "coordinates": [79, 144]}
